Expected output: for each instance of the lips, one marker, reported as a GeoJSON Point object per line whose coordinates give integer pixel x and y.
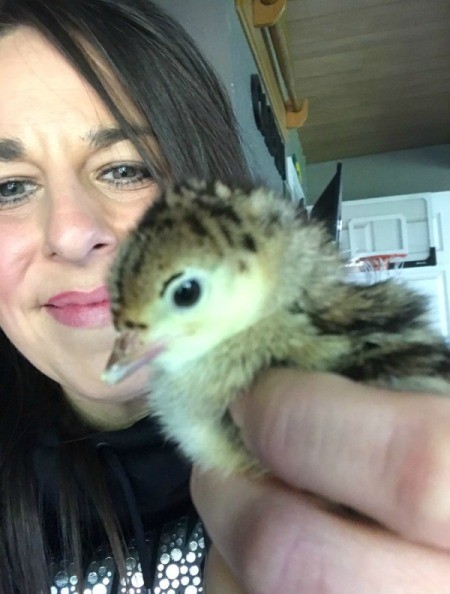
{"type": "Point", "coordinates": [79, 297]}
{"type": "Point", "coordinates": [80, 309]}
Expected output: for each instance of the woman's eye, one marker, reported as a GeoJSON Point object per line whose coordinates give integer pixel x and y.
{"type": "Point", "coordinates": [126, 175]}
{"type": "Point", "coordinates": [15, 190]}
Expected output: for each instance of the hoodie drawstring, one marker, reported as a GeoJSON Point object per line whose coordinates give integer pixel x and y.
{"type": "Point", "coordinates": [146, 557]}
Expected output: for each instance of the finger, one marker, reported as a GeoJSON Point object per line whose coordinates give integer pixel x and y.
{"type": "Point", "coordinates": [384, 453]}
{"type": "Point", "coordinates": [218, 577]}
{"type": "Point", "coordinates": [277, 540]}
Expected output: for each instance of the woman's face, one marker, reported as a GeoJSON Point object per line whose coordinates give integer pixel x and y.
{"type": "Point", "coordinates": [70, 190]}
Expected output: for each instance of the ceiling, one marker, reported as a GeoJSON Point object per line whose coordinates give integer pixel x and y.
{"type": "Point", "coordinates": [376, 74]}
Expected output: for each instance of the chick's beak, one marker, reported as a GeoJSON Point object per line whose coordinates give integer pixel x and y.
{"type": "Point", "coordinates": [131, 351]}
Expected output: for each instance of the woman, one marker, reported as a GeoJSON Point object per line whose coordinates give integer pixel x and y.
{"type": "Point", "coordinates": [102, 103]}
{"type": "Point", "coordinates": [72, 183]}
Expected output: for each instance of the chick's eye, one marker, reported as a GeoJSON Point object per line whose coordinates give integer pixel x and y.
{"type": "Point", "coordinates": [187, 294]}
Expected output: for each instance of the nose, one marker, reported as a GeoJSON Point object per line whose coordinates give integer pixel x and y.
{"type": "Point", "coordinates": [76, 223]}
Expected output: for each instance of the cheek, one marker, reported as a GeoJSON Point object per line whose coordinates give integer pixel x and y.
{"type": "Point", "coordinates": [126, 216]}
{"type": "Point", "coordinates": [18, 250]}
{"type": "Point", "coordinates": [124, 222]}
{"type": "Point", "coordinates": [17, 247]}
{"type": "Point", "coordinates": [127, 220]}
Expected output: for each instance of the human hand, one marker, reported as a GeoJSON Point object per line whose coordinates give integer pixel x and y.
{"type": "Point", "coordinates": [329, 443]}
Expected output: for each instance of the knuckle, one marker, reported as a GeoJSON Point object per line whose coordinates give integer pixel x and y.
{"type": "Point", "coordinates": [260, 555]}
{"type": "Point", "coordinates": [275, 558]}
{"type": "Point", "coordinates": [421, 492]}
{"type": "Point", "coordinates": [277, 433]}
{"type": "Point", "coordinates": [281, 424]}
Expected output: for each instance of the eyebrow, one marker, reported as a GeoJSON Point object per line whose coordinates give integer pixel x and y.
{"type": "Point", "coordinates": [12, 149]}
{"type": "Point", "coordinates": [102, 138]}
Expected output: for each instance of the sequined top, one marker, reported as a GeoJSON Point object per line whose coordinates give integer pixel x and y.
{"type": "Point", "coordinates": [178, 566]}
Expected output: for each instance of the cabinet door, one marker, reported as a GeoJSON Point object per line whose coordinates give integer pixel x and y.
{"type": "Point", "coordinates": [434, 282]}
{"type": "Point", "coordinates": [441, 226]}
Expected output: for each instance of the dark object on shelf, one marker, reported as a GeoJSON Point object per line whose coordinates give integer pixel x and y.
{"type": "Point", "coordinates": [430, 261]}
{"type": "Point", "coordinates": [327, 207]}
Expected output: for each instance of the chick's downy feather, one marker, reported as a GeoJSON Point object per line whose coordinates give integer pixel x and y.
{"type": "Point", "coordinates": [216, 285]}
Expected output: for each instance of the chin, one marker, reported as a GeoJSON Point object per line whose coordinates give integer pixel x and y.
{"type": "Point", "coordinates": [95, 389]}
{"type": "Point", "coordinates": [82, 377]}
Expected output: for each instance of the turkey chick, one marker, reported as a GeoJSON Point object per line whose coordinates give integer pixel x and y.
{"type": "Point", "coordinates": [215, 285]}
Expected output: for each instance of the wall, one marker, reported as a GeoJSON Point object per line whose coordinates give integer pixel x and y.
{"type": "Point", "coordinates": [389, 174]}
{"type": "Point", "coordinates": [215, 27]}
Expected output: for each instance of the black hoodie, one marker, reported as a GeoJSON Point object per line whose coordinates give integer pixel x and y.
{"type": "Point", "coordinates": [149, 485]}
